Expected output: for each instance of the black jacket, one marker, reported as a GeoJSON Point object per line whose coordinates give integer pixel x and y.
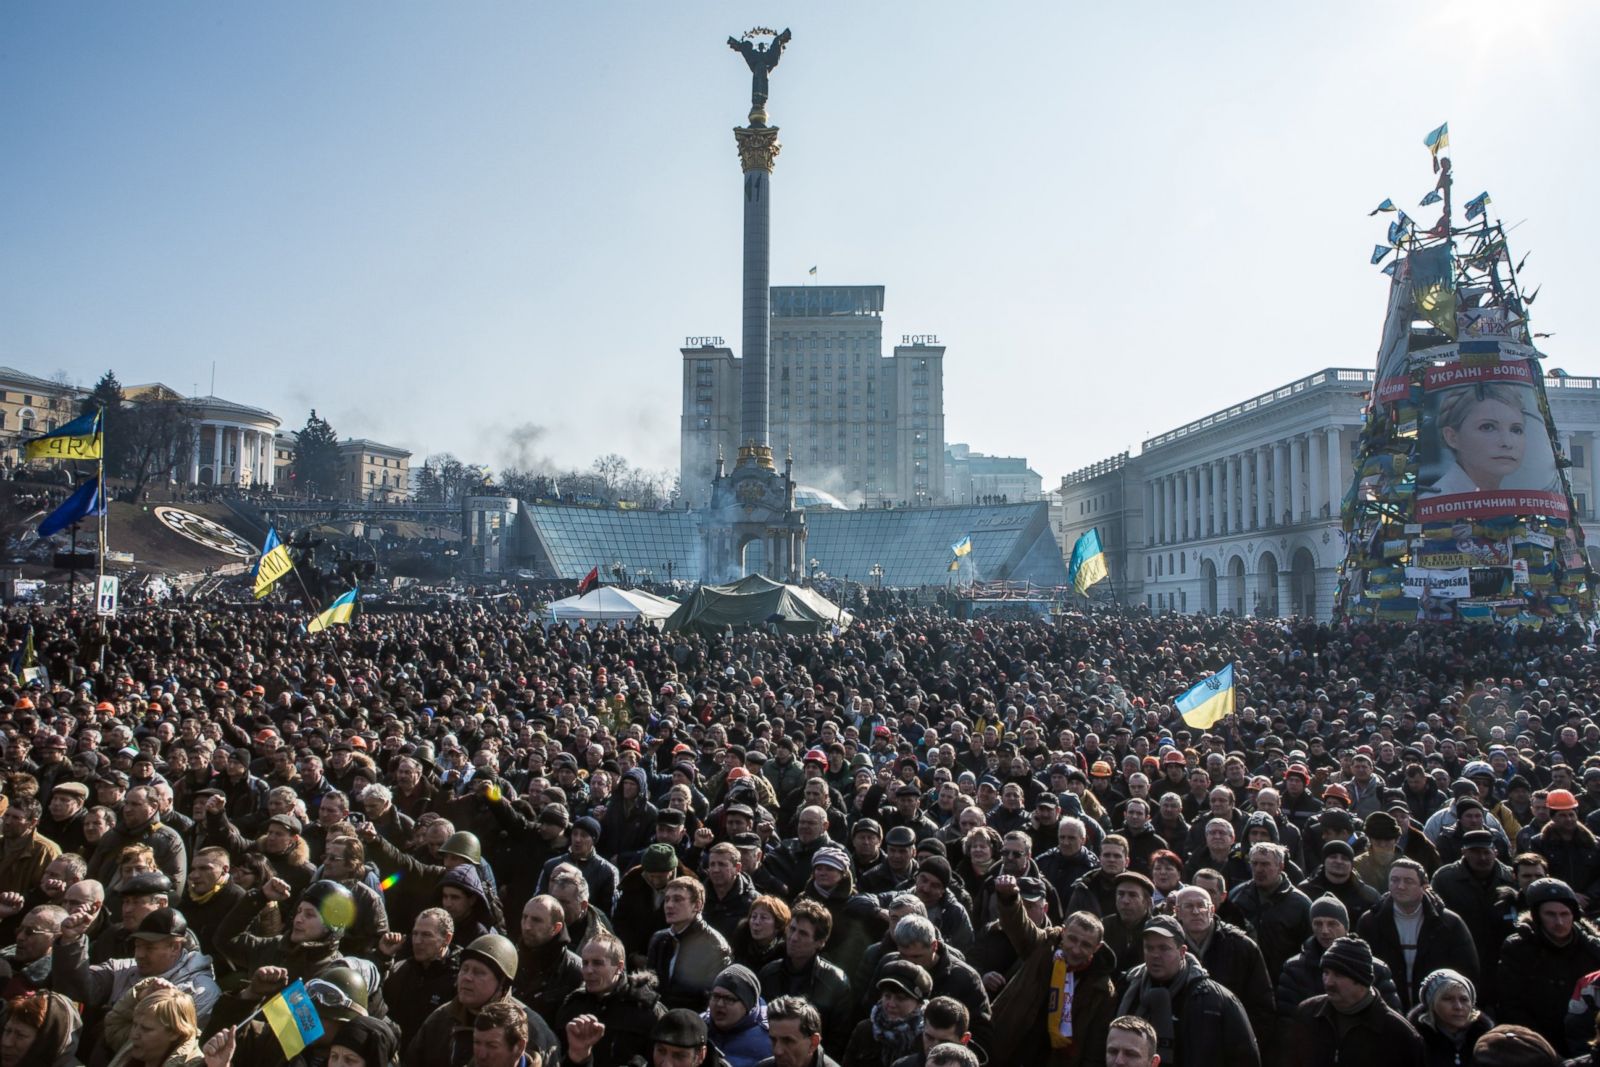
{"type": "Point", "coordinates": [546, 976]}
{"type": "Point", "coordinates": [1234, 961]}
{"type": "Point", "coordinates": [1443, 941]}
{"type": "Point", "coordinates": [1281, 917]}
{"type": "Point", "coordinates": [1438, 1050]}
{"type": "Point", "coordinates": [629, 1012]}
{"type": "Point", "coordinates": [1537, 977]}
{"type": "Point", "coordinates": [1198, 1022]}
{"type": "Point", "coordinates": [1301, 979]}
{"type": "Point", "coordinates": [1378, 1037]}
{"type": "Point", "coordinates": [824, 985]}
{"type": "Point", "coordinates": [1488, 907]}
{"type": "Point", "coordinates": [413, 991]}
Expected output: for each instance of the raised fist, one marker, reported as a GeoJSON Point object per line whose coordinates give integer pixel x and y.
{"type": "Point", "coordinates": [10, 904]}
{"type": "Point", "coordinates": [276, 889]}
{"type": "Point", "coordinates": [1005, 887]}
{"type": "Point", "coordinates": [583, 1034]}
{"type": "Point", "coordinates": [390, 943]}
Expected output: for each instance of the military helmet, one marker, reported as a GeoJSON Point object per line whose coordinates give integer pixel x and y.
{"type": "Point", "coordinates": [339, 993]}
{"type": "Point", "coordinates": [495, 952]}
{"type": "Point", "coordinates": [335, 903]}
{"type": "Point", "coordinates": [463, 845]}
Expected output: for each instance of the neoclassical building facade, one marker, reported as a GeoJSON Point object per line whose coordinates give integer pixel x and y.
{"type": "Point", "coordinates": [232, 443]}
{"type": "Point", "coordinates": [1239, 511]}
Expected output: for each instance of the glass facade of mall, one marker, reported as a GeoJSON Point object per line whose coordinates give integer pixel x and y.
{"type": "Point", "coordinates": [1011, 542]}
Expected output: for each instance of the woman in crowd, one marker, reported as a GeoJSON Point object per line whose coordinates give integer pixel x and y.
{"type": "Point", "coordinates": [1448, 1019]}
{"type": "Point", "coordinates": [164, 1033]}
{"type": "Point", "coordinates": [758, 940]}
{"type": "Point", "coordinates": [40, 1031]}
{"type": "Point", "coordinates": [894, 1027]}
{"type": "Point", "coordinates": [980, 852]}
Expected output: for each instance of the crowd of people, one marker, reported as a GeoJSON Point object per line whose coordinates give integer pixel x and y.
{"type": "Point", "coordinates": [468, 839]}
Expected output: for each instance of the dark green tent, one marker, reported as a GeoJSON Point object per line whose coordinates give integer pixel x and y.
{"type": "Point", "coordinates": [757, 601]}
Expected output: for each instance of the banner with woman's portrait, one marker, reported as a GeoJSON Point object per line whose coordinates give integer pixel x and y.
{"type": "Point", "coordinates": [1484, 448]}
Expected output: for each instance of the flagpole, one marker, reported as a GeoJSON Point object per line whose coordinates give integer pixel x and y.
{"type": "Point", "coordinates": [105, 512]}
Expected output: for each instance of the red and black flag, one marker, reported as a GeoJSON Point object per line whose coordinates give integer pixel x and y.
{"type": "Point", "coordinates": [590, 580]}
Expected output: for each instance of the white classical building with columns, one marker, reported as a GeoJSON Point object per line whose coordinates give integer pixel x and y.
{"type": "Point", "coordinates": [1239, 511]}
{"type": "Point", "coordinates": [232, 443]}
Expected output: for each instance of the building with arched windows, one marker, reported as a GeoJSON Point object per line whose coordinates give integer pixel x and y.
{"type": "Point", "coordinates": [1238, 511]}
{"type": "Point", "coordinates": [29, 406]}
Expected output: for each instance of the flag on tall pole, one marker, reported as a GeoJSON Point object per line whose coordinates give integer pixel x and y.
{"type": "Point", "coordinates": [339, 613]}
{"type": "Point", "coordinates": [82, 438]}
{"type": "Point", "coordinates": [86, 501]}
{"type": "Point", "coordinates": [1208, 701]}
{"type": "Point", "coordinates": [1088, 562]}
{"type": "Point", "coordinates": [273, 564]}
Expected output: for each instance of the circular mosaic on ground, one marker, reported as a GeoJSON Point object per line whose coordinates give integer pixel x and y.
{"type": "Point", "coordinates": [202, 531]}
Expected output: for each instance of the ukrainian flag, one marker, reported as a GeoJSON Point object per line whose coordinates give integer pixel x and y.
{"type": "Point", "coordinates": [273, 565]}
{"type": "Point", "coordinates": [1438, 139]}
{"type": "Point", "coordinates": [1088, 562]}
{"type": "Point", "coordinates": [1209, 701]}
{"type": "Point", "coordinates": [293, 1019]}
{"type": "Point", "coordinates": [339, 613]}
{"type": "Point", "coordinates": [82, 438]}
{"type": "Point", "coordinates": [962, 547]}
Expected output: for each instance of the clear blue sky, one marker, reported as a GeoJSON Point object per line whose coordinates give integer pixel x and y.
{"type": "Point", "coordinates": [436, 222]}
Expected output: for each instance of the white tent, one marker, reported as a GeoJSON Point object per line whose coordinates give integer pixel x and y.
{"type": "Point", "coordinates": [607, 603]}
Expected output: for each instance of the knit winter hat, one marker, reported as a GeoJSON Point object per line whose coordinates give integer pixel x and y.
{"type": "Point", "coordinates": [1442, 979]}
{"type": "Point", "coordinates": [1351, 957]}
{"type": "Point", "coordinates": [741, 982]}
{"type": "Point", "coordinates": [938, 867]}
{"type": "Point", "coordinates": [1328, 906]}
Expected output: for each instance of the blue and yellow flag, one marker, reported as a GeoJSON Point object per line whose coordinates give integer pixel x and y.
{"type": "Point", "coordinates": [1476, 205]}
{"type": "Point", "coordinates": [86, 501]}
{"type": "Point", "coordinates": [82, 438]}
{"type": "Point", "coordinates": [1208, 702]}
{"type": "Point", "coordinates": [1387, 205]}
{"type": "Point", "coordinates": [1438, 139]}
{"type": "Point", "coordinates": [1088, 562]}
{"type": "Point", "coordinates": [339, 613]}
{"type": "Point", "coordinates": [962, 547]}
{"type": "Point", "coordinates": [273, 565]}
{"type": "Point", "coordinates": [293, 1019]}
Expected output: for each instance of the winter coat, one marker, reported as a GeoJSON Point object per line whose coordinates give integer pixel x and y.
{"type": "Point", "coordinates": [22, 864]}
{"type": "Point", "coordinates": [1537, 978]}
{"type": "Point", "coordinates": [205, 919]}
{"type": "Point", "coordinates": [1488, 908]}
{"type": "Point", "coordinates": [954, 977]}
{"type": "Point", "coordinates": [687, 963]}
{"type": "Point", "coordinates": [1094, 893]}
{"type": "Point", "coordinates": [629, 1011]}
{"type": "Point", "coordinates": [1198, 1022]}
{"type": "Point", "coordinates": [724, 913]}
{"type": "Point", "coordinates": [1020, 1009]}
{"type": "Point", "coordinates": [1301, 979]}
{"type": "Point", "coordinates": [546, 976]}
{"type": "Point", "coordinates": [1061, 872]}
{"type": "Point", "coordinates": [1443, 941]}
{"type": "Point", "coordinates": [103, 984]}
{"type": "Point", "coordinates": [600, 875]}
{"type": "Point", "coordinates": [629, 827]}
{"type": "Point", "coordinates": [747, 1044]}
{"type": "Point", "coordinates": [1376, 1036]}
{"type": "Point", "coordinates": [413, 991]}
{"type": "Point", "coordinates": [1280, 916]}
{"type": "Point", "coordinates": [1575, 860]}
{"type": "Point", "coordinates": [824, 985]}
{"type": "Point", "coordinates": [187, 1054]}
{"type": "Point", "coordinates": [163, 840]}
{"type": "Point", "coordinates": [1356, 895]}
{"type": "Point", "coordinates": [637, 915]}
{"type": "Point", "coordinates": [1234, 961]}
{"type": "Point", "coordinates": [1438, 1049]}
{"type": "Point", "coordinates": [856, 924]}
{"type": "Point", "coordinates": [445, 1039]}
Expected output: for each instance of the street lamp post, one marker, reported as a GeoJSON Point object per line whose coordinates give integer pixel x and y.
{"type": "Point", "coordinates": [877, 575]}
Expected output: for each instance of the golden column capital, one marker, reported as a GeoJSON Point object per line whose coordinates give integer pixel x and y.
{"type": "Point", "coordinates": [758, 147]}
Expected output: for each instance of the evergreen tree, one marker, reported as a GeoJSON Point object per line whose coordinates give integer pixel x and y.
{"type": "Point", "coordinates": [107, 394]}
{"type": "Point", "coordinates": [316, 458]}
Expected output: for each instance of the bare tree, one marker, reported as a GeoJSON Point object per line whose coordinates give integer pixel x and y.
{"type": "Point", "coordinates": [160, 435]}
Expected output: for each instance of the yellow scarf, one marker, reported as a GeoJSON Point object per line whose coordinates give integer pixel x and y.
{"type": "Point", "coordinates": [202, 898]}
{"type": "Point", "coordinates": [1063, 983]}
